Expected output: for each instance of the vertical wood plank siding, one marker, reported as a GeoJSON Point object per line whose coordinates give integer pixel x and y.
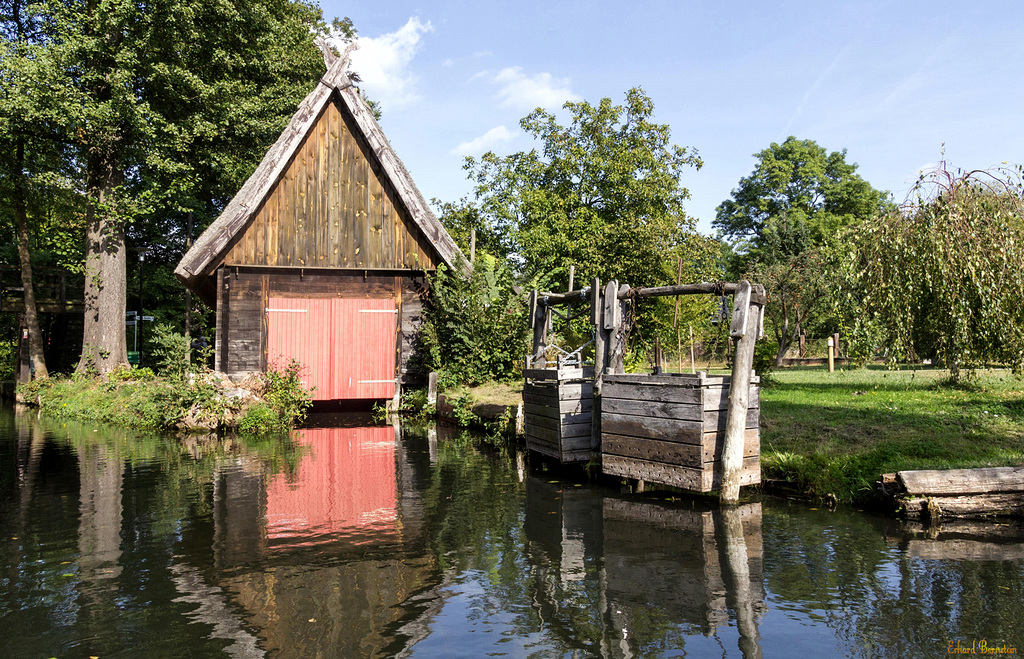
{"type": "Point", "coordinates": [333, 207]}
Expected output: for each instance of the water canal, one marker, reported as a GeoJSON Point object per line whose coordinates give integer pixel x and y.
{"type": "Point", "coordinates": [354, 540]}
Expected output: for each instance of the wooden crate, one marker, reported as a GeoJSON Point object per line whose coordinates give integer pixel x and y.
{"type": "Point", "coordinates": [670, 429]}
{"type": "Point", "coordinates": [557, 408]}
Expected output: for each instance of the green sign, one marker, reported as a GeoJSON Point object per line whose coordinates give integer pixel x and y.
{"type": "Point", "coordinates": [133, 357]}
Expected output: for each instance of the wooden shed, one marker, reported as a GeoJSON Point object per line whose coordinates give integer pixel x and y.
{"type": "Point", "coordinates": [322, 255]}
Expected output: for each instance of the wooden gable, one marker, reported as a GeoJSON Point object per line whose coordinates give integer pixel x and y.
{"type": "Point", "coordinates": [330, 193]}
{"type": "Point", "coordinates": [333, 207]}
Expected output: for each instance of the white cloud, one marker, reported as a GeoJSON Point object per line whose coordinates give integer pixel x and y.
{"type": "Point", "coordinates": [485, 142]}
{"type": "Point", "coordinates": [383, 63]}
{"type": "Point", "coordinates": [524, 92]}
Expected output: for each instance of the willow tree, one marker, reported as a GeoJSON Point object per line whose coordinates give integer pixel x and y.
{"type": "Point", "coordinates": [942, 276]}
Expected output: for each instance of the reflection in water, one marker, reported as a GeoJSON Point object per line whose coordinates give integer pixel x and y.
{"type": "Point", "coordinates": [345, 485]}
{"type": "Point", "coordinates": [661, 573]}
{"type": "Point", "coordinates": [360, 540]}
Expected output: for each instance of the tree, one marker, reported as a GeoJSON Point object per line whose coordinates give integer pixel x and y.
{"type": "Point", "coordinates": [785, 219]}
{"type": "Point", "coordinates": [166, 106]}
{"type": "Point", "coordinates": [941, 276]}
{"type": "Point", "coordinates": [602, 194]}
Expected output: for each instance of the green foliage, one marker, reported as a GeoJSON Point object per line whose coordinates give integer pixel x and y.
{"type": "Point", "coordinates": [941, 277]}
{"type": "Point", "coordinates": [171, 351]}
{"type": "Point", "coordinates": [786, 220]}
{"type": "Point", "coordinates": [602, 194]}
{"type": "Point", "coordinates": [475, 327]}
{"type": "Point", "coordinates": [461, 409]}
{"type": "Point", "coordinates": [764, 361]}
{"type": "Point", "coordinates": [140, 117]}
{"type": "Point", "coordinates": [8, 360]}
{"type": "Point", "coordinates": [259, 419]}
{"type": "Point", "coordinates": [135, 398]}
{"type": "Point", "coordinates": [284, 392]}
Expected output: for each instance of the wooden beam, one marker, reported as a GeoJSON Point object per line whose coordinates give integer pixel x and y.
{"type": "Point", "coordinates": [958, 482]}
{"type": "Point", "coordinates": [739, 392]}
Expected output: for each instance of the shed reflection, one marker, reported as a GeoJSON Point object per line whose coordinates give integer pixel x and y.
{"type": "Point", "coordinates": [625, 577]}
{"type": "Point", "coordinates": [321, 560]}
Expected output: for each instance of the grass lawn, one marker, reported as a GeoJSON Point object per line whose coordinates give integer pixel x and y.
{"type": "Point", "coordinates": [835, 433]}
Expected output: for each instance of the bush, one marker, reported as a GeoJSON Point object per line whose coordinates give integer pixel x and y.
{"type": "Point", "coordinates": [171, 351]}
{"type": "Point", "coordinates": [475, 328]}
{"type": "Point", "coordinates": [259, 419]}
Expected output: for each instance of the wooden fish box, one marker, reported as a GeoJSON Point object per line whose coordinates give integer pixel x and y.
{"type": "Point", "coordinates": [557, 409]}
{"type": "Point", "coordinates": [670, 429]}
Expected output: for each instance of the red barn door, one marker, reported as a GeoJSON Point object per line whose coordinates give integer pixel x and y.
{"type": "Point", "coordinates": [346, 346]}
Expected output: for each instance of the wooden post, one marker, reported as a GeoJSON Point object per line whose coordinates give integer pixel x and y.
{"type": "Point", "coordinates": [596, 317]}
{"type": "Point", "coordinates": [614, 323]}
{"type": "Point", "coordinates": [432, 388]}
{"type": "Point", "coordinates": [803, 345]}
{"type": "Point", "coordinates": [542, 317]}
{"type": "Point", "coordinates": [539, 323]}
{"type": "Point", "coordinates": [675, 318]}
{"type": "Point", "coordinates": [831, 356]}
{"type": "Point", "coordinates": [188, 291]}
{"type": "Point", "coordinates": [836, 342]}
{"type": "Point", "coordinates": [744, 329]}
{"type": "Point", "coordinates": [693, 361]}
{"type": "Point", "coordinates": [657, 355]}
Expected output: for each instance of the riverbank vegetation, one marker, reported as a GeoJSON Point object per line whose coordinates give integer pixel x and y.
{"type": "Point", "coordinates": [832, 435]}
{"type": "Point", "coordinates": [181, 396]}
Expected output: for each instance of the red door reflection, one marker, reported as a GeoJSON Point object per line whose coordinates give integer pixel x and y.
{"type": "Point", "coordinates": [344, 485]}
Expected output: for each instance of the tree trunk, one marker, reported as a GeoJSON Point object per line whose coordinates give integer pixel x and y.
{"type": "Point", "coordinates": [103, 337]}
{"type": "Point", "coordinates": [35, 337]}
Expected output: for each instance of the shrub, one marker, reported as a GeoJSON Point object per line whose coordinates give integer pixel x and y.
{"type": "Point", "coordinates": [475, 328]}
{"type": "Point", "coordinates": [258, 419]}
{"type": "Point", "coordinates": [171, 351]}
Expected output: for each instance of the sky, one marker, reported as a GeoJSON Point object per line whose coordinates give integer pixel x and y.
{"type": "Point", "coordinates": [900, 85]}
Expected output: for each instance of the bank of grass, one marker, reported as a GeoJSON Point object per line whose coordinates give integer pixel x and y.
{"type": "Point", "coordinates": [196, 401]}
{"type": "Point", "coordinates": [833, 434]}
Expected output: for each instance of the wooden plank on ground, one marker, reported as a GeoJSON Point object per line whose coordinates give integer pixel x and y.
{"type": "Point", "coordinates": [962, 481]}
{"type": "Point", "coordinates": [971, 505]}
